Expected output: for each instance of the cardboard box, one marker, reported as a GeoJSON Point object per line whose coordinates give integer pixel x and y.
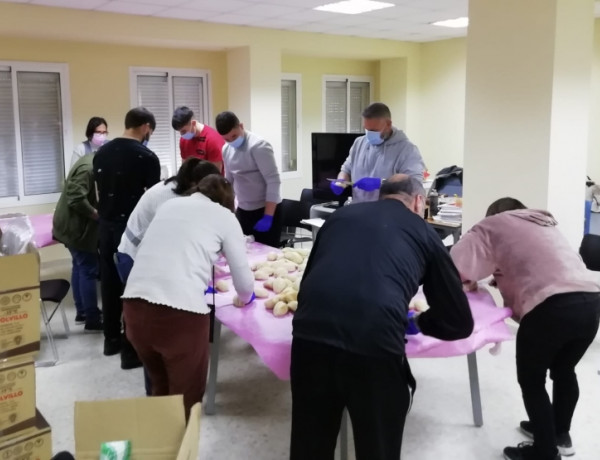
{"type": "Point", "coordinates": [155, 426]}
{"type": "Point", "coordinates": [36, 445]}
{"type": "Point", "coordinates": [17, 397]}
{"type": "Point", "coordinates": [19, 305]}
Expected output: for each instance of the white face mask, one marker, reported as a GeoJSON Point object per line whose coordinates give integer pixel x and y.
{"type": "Point", "coordinates": [98, 139]}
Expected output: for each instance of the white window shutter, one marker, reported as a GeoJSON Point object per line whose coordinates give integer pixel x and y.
{"type": "Point", "coordinates": [288, 126]}
{"type": "Point", "coordinates": [9, 175]}
{"type": "Point", "coordinates": [335, 106]}
{"type": "Point", "coordinates": [359, 100]}
{"type": "Point", "coordinates": [189, 91]}
{"type": "Point", "coordinates": [153, 93]}
{"type": "Point", "coordinates": [40, 113]}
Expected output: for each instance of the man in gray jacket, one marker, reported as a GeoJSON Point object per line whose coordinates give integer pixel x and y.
{"type": "Point", "coordinates": [251, 168]}
{"type": "Point", "coordinates": [382, 152]}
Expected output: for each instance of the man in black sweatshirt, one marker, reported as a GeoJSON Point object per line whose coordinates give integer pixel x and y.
{"type": "Point", "coordinates": [349, 330]}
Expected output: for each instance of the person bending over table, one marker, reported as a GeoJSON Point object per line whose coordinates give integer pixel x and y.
{"type": "Point", "coordinates": [382, 152]}
{"type": "Point", "coordinates": [557, 302]}
{"type": "Point", "coordinates": [349, 330]}
{"type": "Point", "coordinates": [251, 168]}
{"type": "Point", "coordinates": [167, 316]}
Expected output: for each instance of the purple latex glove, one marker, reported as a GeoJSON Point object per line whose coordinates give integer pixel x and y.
{"type": "Point", "coordinates": [368, 184]}
{"type": "Point", "coordinates": [413, 328]}
{"type": "Point", "coordinates": [337, 189]}
{"type": "Point", "coordinates": [264, 224]}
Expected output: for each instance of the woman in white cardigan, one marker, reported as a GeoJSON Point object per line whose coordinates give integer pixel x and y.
{"type": "Point", "coordinates": [164, 307]}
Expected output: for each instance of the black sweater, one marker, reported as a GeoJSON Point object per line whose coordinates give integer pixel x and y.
{"type": "Point", "coordinates": [366, 265]}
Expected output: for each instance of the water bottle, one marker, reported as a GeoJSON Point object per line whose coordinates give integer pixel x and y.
{"type": "Point", "coordinates": [433, 203]}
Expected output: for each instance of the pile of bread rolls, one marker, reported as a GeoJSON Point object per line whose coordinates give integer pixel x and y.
{"type": "Point", "coordinates": [281, 274]}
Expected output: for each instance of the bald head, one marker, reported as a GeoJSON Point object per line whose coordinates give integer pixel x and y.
{"type": "Point", "coordinates": [406, 189]}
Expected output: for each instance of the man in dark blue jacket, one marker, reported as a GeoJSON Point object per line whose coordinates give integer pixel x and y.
{"type": "Point", "coordinates": [349, 330]}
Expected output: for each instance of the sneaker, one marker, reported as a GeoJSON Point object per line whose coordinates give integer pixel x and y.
{"type": "Point", "coordinates": [112, 347]}
{"type": "Point", "coordinates": [130, 361]}
{"type": "Point", "coordinates": [94, 327]}
{"type": "Point", "coordinates": [524, 451]}
{"type": "Point", "coordinates": [79, 319]}
{"type": "Point", "coordinates": [563, 441]}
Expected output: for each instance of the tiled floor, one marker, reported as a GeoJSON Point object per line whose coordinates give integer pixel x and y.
{"type": "Point", "coordinates": [253, 407]}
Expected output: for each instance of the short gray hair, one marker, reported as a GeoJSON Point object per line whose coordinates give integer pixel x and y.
{"type": "Point", "coordinates": [408, 186]}
{"type": "Point", "coordinates": [376, 110]}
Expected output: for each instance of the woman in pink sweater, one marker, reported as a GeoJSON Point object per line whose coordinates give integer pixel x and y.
{"type": "Point", "coordinates": [555, 299]}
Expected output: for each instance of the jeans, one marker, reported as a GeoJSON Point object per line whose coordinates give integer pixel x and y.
{"type": "Point", "coordinates": [374, 389]}
{"type": "Point", "coordinates": [554, 336]}
{"type": "Point", "coordinates": [110, 283]}
{"type": "Point", "coordinates": [248, 220]}
{"type": "Point", "coordinates": [83, 281]}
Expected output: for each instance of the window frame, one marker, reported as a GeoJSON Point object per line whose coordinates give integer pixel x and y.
{"type": "Point", "coordinates": [67, 123]}
{"type": "Point", "coordinates": [299, 157]}
{"type": "Point", "coordinates": [171, 72]}
{"type": "Point", "coordinates": [343, 78]}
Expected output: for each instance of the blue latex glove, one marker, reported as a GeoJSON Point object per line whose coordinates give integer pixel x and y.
{"type": "Point", "coordinates": [252, 299]}
{"type": "Point", "coordinates": [337, 189]}
{"type": "Point", "coordinates": [368, 184]}
{"type": "Point", "coordinates": [264, 224]}
{"type": "Point", "coordinates": [413, 328]}
{"type": "Point", "coordinates": [210, 290]}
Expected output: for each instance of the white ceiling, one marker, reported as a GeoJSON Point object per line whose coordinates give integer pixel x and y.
{"type": "Point", "coordinates": [408, 20]}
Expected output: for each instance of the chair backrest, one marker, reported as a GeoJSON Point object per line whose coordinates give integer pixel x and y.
{"type": "Point", "coordinates": [292, 213]}
{"type": "Point", "coordinates": [590, 251]}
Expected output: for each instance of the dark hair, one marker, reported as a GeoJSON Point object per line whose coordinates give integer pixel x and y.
{"type": "Point", "coordinates": [218, 189]}
{"type": "Point", "coordinates": [181, 117]}
{"type": "Point", "coordinates": [191, 172]}
{"type": "Point", "coordinates": [92, 125]}
{"type": "Point", "coordinates": [409, 186]}
{"type": "Point", "coordinates": [225, 122]}
{"type": "Point", "coordinates": [377, 110]}
{"type": "Point", "coordinates": [139, 117]}
{"type": "Point", "coordinates": [504, 204]}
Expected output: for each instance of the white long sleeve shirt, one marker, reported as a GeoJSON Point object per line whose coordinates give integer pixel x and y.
{"type": "Point", "coordinates": [174, 262]}
{"type": "Point", "coordinates": [142, 216]}
{"type": "Point", "coordinates": [253, 172]}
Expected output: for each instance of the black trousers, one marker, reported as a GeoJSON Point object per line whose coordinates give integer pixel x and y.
{"type": "Point", "coordinates": [375, 390]}
{"type": "Point", "coordinates": [248, 220]}
{"type": "Point", "coordinates": [554, 336]}
{"type": "Point", "coordinates": [111, 287]}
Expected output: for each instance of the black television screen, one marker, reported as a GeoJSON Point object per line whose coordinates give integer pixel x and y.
{"type": "Point", "coordinates": [329, 151]}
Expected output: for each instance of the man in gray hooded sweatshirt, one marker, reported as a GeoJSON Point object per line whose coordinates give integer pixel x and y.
{"type": "Point", "coordinates": [382, 152]}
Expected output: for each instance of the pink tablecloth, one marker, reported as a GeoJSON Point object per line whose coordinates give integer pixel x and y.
{"type": "Point", "coordinates": [271, 337]}
{"type": "Point", "coordinates": [42, 226]}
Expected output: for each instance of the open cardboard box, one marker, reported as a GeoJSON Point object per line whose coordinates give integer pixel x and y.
{"type": "Point", "coordinates": [20, 304]}
{"type": "Point", "coordinates": [155, 426]}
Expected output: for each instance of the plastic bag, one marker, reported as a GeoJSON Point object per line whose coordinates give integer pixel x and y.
{"type": "Point", "coordinates": [16, 233]}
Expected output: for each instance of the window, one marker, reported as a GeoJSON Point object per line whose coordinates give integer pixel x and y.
{"type": "Point", "coordinates": [345, 98]}
{"type": "Point", "coordinates": [290, 123]}
{"type": "Point", "coordinates": [33, 132]}
{"type": "Point", "coordinates": [161, 91]}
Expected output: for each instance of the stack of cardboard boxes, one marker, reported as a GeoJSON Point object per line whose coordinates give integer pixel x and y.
{"type": "Point", "coordinates": [24, 433]}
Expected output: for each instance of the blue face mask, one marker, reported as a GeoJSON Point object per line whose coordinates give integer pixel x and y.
{"type": "Point", "coordinates": [374, 137]}
{"type": "Point", "coordinates": [188, 136]}
{"type": "Point", "coordinates": [238, 142]}
{"type": "Point", "coordinates": [145, 143]}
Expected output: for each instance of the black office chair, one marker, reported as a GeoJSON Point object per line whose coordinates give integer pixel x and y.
{"type": "Point", "coordinates": [53, 291]}
{"type": "Point", "coordinates": [293, 212]}
{"type": "Point", "coordinates": [590, 251]}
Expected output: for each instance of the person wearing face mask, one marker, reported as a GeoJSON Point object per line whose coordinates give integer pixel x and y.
{"type": "Point", "coordinates": [197, 140]}
{"type": "Point", "coordinates": [251, 168]}
{"type": "Point", "coordinates": [96, 133]}
{"type": "Point", "coordinates": [352, 318]}
{"type": "Point", "coordinates": [383, 151]}
{"type": "Point", "coordinates": [124, 169]}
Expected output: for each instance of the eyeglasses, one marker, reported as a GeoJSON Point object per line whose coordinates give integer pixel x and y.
{"type": "Point", "coordinates": [100, 132]}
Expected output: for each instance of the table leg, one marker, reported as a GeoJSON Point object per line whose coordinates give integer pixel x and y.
{"type": "Point", "coordinates": [475, 392]}
{"type": "Point", "coordinates": [211, 386]}
{"type": "Point", "coordinates": [344, 436]}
